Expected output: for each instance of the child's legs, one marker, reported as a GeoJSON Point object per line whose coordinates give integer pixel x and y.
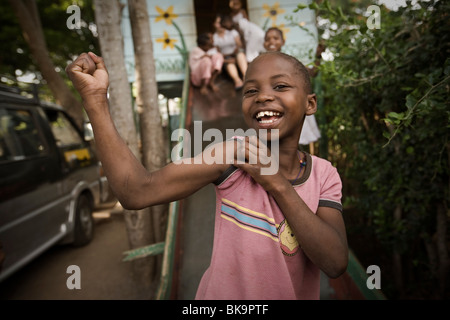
{"type": "Point", "coordinates": [211, 83]}
{"type": "Point", "coordinates": [242, 63]}
{"type": "Point", "coordinates": [217, 62]}
{"type": "Point", "coordinates": [201, 75]}
{"type": "Point", "coordinates": [234, 74]}
{"type": "Point", "coordinates": [216, 65]}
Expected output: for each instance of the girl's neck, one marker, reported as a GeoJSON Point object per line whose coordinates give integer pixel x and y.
{"type": "Point", "coordinates": [288, 157]}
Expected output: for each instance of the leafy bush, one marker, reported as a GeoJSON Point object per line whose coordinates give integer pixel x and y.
{"type": "Point", "coordinates": [387, 117]}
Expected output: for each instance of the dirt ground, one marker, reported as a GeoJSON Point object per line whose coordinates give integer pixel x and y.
{"type": "Point", "coordinates": [104, 276]}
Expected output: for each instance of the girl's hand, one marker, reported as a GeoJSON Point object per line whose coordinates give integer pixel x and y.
{"type": "Point", "coordinates": [89, 76]}
{"type": "Point", "coordinates": [254, 157]}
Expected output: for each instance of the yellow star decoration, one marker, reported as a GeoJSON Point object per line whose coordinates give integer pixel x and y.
{"type": "Point", "coordinates": [166, 41]}
{"type": "Point", "coordinates": [273, 11]}
{"type": "Point", "coordinates": [166, 15]}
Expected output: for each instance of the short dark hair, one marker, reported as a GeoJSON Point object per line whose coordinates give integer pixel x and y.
{"type": "Point", "coordinates": [299, 67]}
{"type": "Point", "coordinates": [276, 29]}
{"type": "Point", "coordinates": [203, 38]}
{"type": "Point", "coordinates": [225, 18]}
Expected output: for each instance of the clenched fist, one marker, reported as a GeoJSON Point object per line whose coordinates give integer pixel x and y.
{"type": "Point", "coordinates": [89, 76]}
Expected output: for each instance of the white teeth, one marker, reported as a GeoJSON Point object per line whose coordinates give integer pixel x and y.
{"type": "Point", "coordinates": [267, 113]}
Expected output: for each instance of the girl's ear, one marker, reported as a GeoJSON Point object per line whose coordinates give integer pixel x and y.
{"type": "Point", "coordinates": [311, 107]}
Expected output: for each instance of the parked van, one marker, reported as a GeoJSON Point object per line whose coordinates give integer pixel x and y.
{"type": "Point", "coordinates": [50, 180]}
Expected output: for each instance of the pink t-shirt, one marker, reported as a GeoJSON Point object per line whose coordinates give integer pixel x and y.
{"type": "Point", "coordinates": [255, 255]}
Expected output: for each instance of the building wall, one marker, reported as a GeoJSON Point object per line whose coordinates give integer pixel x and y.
{"type": "Point", "coordinates": [169, 37]}
{"type": "Point", "coordinates": [177, 32]}
{"type": "Point", "coordinates": [299, 28]}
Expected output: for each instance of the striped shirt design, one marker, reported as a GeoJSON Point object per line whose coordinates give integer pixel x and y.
{"type": "Point", "coordinates": [249, 220]}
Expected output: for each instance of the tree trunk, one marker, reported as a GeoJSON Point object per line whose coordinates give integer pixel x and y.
{"type": "Point", "coordinates": [152, 133]}
{"type": "Point", "coordinates": [138, 223]}
{"type": "Point", "coordinates": [29, 20]}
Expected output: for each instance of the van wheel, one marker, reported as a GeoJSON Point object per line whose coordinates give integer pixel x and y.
{"type": "Point", "coordinates": [84, 222]}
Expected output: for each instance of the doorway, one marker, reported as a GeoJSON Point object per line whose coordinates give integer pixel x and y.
{"type": "Point", "coordinates": [207, 10]}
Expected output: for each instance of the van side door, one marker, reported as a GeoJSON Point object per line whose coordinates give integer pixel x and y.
{"type": "Point", "coordinates": [30, 203]}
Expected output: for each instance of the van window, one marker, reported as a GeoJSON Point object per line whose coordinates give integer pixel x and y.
{"type": "Point", "coordinates": [64, 132]}
{"type": "Point", "coordinates": [69, 141]}
{"type": "Point", "coordinates": [19, 136]}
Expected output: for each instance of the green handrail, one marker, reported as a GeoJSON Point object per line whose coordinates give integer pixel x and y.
{"type": "Point", "coordinates": [165, 283]}
{"type": "Point", "coordinates": [167, 248]}
{"type": "Point", "coordinates": [359, 276]}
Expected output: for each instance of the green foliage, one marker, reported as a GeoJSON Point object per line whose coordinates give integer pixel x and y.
{"type": "Point", "coordinates": [387, 109]}
{"type": "Point", "coordinates": [62, 43]}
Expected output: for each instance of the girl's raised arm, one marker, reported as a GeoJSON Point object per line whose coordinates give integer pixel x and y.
{"type": "Point", "coordinates": [131, 183]}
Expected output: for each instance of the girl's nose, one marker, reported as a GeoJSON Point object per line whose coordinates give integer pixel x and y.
{"type": "Point", "coordinates": [264, 96]}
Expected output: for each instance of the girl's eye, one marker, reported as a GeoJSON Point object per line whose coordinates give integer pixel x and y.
{"type": "Point", "coordinates": [280, 86]}
{"type": "Point", "coordinates": [249, 91]}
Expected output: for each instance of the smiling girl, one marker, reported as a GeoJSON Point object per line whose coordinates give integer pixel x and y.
{"type": "Point", "coordinates": [273, 233]}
